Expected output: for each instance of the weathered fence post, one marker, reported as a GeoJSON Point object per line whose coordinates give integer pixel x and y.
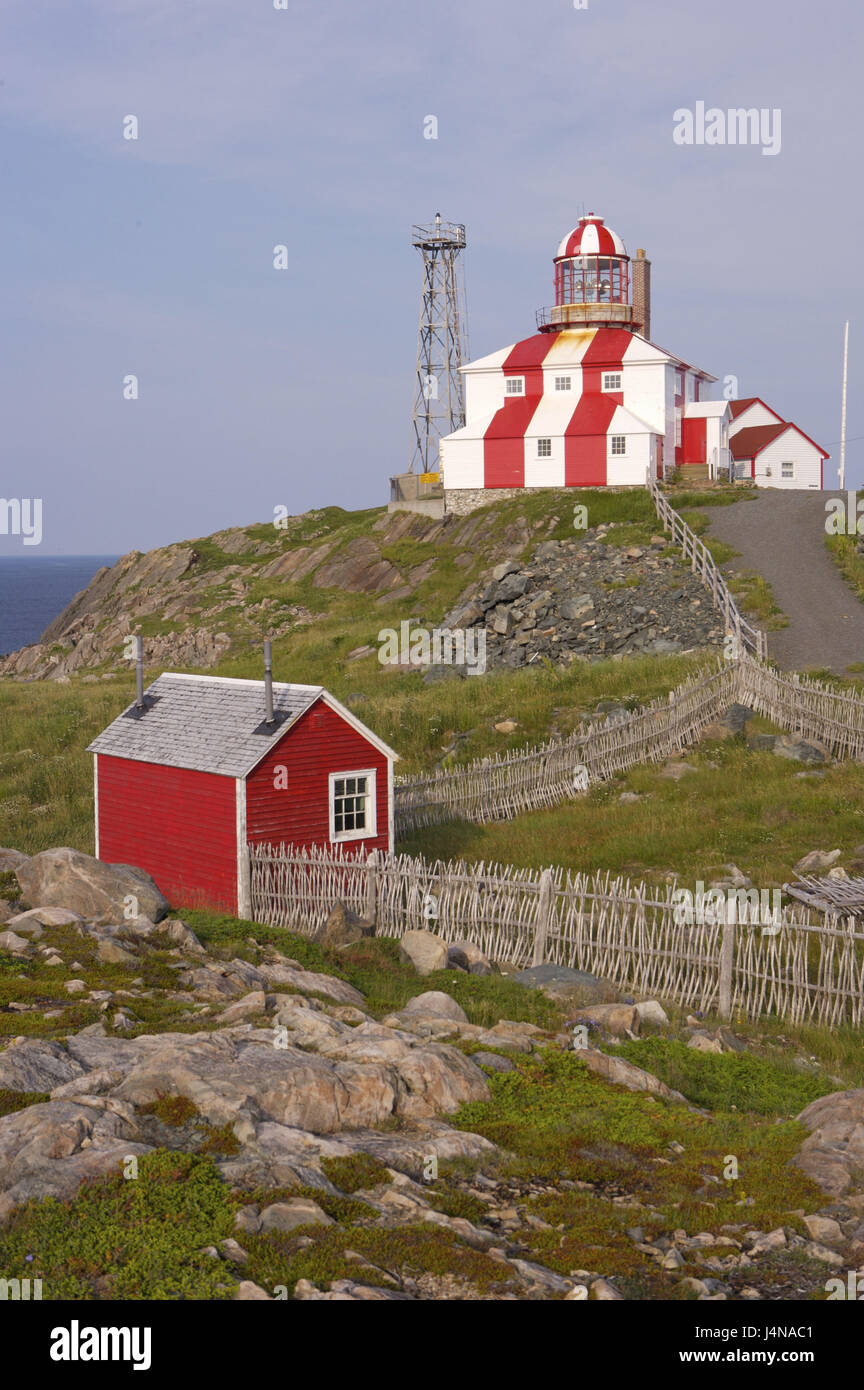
{"type": "Point", "coordinates": [372, 887]}
{"type": "Point", "coordinates": [545, 904]}
{"type": "Point", "coordinates": [727, 957]}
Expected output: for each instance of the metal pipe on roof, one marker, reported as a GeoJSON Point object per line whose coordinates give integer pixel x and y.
{"type": "Point", "coordinates": [139, 672]}
{"type": "Point", "coordinates": [268, 682]}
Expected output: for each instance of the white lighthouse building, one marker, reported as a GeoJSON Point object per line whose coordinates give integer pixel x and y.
{"type": "Point", "coordinates": [590, 401]}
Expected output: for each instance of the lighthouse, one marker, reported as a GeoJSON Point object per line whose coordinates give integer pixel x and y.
{"type": "Point", "coordinates": [590, 401]}
{"type": "Point", "coordinates": [592, 280]}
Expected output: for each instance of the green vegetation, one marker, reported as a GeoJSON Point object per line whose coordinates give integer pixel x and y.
{"type": "Point", "coordinates": [726, 1080]}
{"type": "Point", "coordinates": [127, 1238]}
{"type": "Point", "coordinates": [10, 1101]}
{"type": "Point", "coordinates": [557, 1118]}
{"type": "Point", "coordinates": [356, 1172]}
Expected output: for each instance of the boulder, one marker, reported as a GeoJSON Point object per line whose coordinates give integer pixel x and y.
{"type": "Point", "coordinates": [801, 750]}
{"type": "Point", "coordinates": [309, 982]}
{"type": "Point", "coordinates": [110, 953]}
{"type": "Point", "coordinates": [817, 861]}
{"type": "Point", "coordinates": [833, 1154]}
{"type": "Point", "coordinates": [476, 962]}
{"type": "Point", "coordinates": [650, 1011]}
{"type": "Point", "coordinates": [100, 892]}
{"type": "Point", "coordinates": [6, 910]}
{"type": "Point", "coordinates": [287, 1216]}
{"type": "Point", "coordinates": [623, 1073]}
{"type": "Point", "coordinates": [436, 1004]}
{"type": "Point", "coordinates": [622, 1020]}
{"type": "Point", "coordinates": [493, 1061]}
{"type": "Point", "coordinates": [178, 934]}
{"type": "Point", "coordinates": [425, 951]}
{"type": "Point", "coordinates": [343, 927]}
{"type": "Point", "coordinates": [575, 988]}
{"type": "Point", "coordinates": [11, 860]}
{"type": "Point", "coordinates": [15, 945]}
{"type": "Point", "coordinates": [45, 917]}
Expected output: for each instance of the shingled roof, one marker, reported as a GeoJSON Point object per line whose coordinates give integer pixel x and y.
{"type": "Point", "coordinates": [208, 723]}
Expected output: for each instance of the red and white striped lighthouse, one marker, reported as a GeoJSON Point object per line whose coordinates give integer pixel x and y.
{"type": "Point", "coordinates": [589, 400]}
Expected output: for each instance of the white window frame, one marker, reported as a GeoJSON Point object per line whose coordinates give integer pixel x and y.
{"type": "Point", "coordinates": [370, 773]}
{"type": "Point", "coordinates": [677, 429]}
{"type": "Point", "coordinates": [612, 381]}
{"type": "Point", "coordinates": [790, 464]}
{"type": "Point", "coordinates": [615, 439]}
{"type": "Point", "coordinates": [563, 383]}
{"type": "Point", "coordinates": [514, 386]}
{"type": "Point", "coordinates": [547, 452]}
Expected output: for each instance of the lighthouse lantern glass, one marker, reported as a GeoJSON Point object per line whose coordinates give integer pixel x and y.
{"type": "Point", "coordinates": [591, 280]}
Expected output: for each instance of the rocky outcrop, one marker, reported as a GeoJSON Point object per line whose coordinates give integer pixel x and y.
{"type": "Point", "coordinates": [103, 892]}
{"type": "Point", "coordinates": [588, 599]}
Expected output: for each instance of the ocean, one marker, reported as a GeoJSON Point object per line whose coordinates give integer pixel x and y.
{"type": "Point", "coordinates": [35, 588]}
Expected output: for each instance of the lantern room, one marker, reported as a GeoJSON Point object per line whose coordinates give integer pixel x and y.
{"type": "Point", "coordinates": [592, 279]}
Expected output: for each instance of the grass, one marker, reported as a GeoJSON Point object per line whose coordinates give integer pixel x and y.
{"type": "Point", "coordinates": [750, 808]}
{"type": "Point", "coordinates": [728, 1080]}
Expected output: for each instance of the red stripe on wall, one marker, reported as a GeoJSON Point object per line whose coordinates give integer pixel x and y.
{"type": "Point", "coordinates": [585, 441]}
{"type": "Point", "coordinates": [504, 440]}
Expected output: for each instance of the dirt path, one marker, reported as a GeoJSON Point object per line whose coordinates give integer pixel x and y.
{"type": "Point", "coordinates": [782, 536]}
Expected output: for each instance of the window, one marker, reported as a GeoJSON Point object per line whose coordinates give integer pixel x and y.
{"type": "Point", "coordinates": [787, 469]}
{"type": "Point", "coordinates": [352, 805]}
{"type": "Point", "coordinates": [611, 381]}
{"type": "Point", "coordinates": [563, 383]}
{"type": "Point", "coordinates": [544, 448]}
{"type": "Point", "coordinates": [619, 443]}
{"type": "Point", "coordinates": [514, 385]}
{"type": "Point", "coordinates": [677, 429]}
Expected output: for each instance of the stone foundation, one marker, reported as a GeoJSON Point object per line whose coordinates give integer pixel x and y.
{"type": "Point", "coordinates": [459, 501]}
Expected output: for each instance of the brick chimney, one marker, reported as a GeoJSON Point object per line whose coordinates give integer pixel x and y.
{"type": "Point", "coordinates": [642, 294]}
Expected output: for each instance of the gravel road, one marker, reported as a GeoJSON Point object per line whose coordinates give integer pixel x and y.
{"type": "Point", "coordinates": [782, 536]}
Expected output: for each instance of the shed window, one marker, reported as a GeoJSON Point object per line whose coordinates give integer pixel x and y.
{"type": "Point", "coordinates": [514, 385]}
{"type": "Point", "coordinates": [544, 448]}
{"type": "Point", "coordinates": [619, 443]}
{"type": "Point", "coordinates": [352, 805]}
{"type": "Point", "coordinates": [787, 469]}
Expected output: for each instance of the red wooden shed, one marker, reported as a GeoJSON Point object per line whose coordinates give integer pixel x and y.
{"type": "Point", "coordinates": [194, 771]}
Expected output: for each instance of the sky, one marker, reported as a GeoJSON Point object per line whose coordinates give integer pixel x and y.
{"type": "Point", "coordinates": [303, 126]}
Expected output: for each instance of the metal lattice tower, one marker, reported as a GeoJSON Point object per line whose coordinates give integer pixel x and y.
{"type": "Point", "coordinates": [439, 398]}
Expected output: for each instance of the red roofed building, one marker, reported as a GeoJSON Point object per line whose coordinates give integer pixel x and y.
{"type": "Point", "coordinates": [778, 455]}
{"type": "Point", "coordinates": [589, 400]}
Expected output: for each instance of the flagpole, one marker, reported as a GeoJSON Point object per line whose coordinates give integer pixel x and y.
{"type": "Point", "coordinates": [842, 468]}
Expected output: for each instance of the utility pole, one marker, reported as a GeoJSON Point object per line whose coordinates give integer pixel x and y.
{"type": "Point", "coordinates": [842, 468]}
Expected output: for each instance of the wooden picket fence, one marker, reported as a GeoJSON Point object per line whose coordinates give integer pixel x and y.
{"type": "Point", "coordinates": [702, 563]}
{"type": "Point", "coordinates": [798, 968]}
{"type": "Point", "coordinates": [504, 786]}
{"type": "Point", "coordinates": [501, 787]}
